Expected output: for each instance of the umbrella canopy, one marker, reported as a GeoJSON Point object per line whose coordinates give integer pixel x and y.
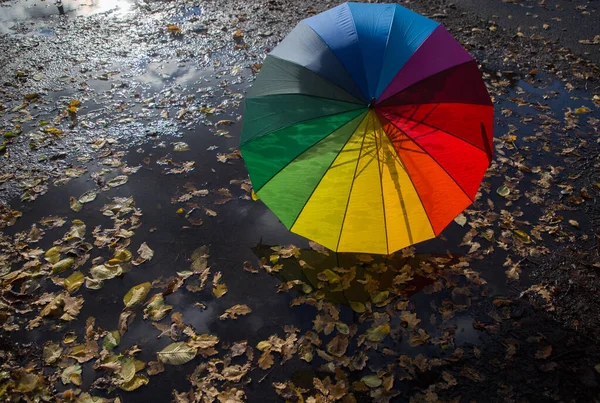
{"type": "Point", "coordinates": [368, 129]}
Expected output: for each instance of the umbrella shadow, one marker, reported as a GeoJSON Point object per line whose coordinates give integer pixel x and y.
{"type": "Point", "coordinates": [348, 278]}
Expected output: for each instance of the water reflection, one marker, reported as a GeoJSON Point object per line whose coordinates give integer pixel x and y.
{"type": "Point", "coordinates": [12, 12]}
{"type": "Point", "coordinates": [349, 278]}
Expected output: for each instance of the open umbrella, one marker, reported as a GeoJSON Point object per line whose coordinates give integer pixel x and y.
{"type": "Point", "coordinates": [368, 129]}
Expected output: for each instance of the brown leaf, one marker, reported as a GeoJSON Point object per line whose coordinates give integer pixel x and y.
{"type": "Point", "coordinates": [338, 345]}
{"type": "Point", "coordinates": [266, 360]}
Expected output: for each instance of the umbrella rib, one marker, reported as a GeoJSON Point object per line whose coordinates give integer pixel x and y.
{"type": "Point", "coordinates": [421, 122]}
{"type": "Point", "coordinates": [350, 192]}
{"type": "Point", "coordinates": [397, 154]}
{"type": "Point", "coordinates": [378, 145]}
{"type": "Point", "coordinates": [305, 151]}
{"type": "Point", "coordinates": [421, 80]}
{"type": "Point", "coordinates": [431, 156]}
{"type": "Point", "coordinates": [294, 124]}
{"type": "Point", "coordinates": [387, 41]}
{"type": "Point", "coordinates": [358, 101]}
{"type": "Point", "coordinates": [315, 188]}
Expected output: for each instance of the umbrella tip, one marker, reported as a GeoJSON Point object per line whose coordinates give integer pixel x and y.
{"type": "Point", "coordinates": [372, 103]}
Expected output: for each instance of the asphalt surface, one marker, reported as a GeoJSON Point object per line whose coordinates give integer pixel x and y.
{"type": "Point", "coordinates": [565, 22]}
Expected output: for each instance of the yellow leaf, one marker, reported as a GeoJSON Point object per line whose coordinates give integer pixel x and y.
{"type": "Point", "coordinates": [174, 29]}
{"type": "Point", "coordinates": [219, 290]}
{"type": "Point", "coordinates": [523, 236]}
{"type": "Point", "coordinates": [266, 360]}
{"type": "Point", "coordinates": [357, 306]}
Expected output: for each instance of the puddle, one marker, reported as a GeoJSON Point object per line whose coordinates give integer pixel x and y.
{"type": "Point", "coordinates": [28, 11]}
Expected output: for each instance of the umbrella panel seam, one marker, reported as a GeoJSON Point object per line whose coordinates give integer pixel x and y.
{"type": "Point", "coordinates": [350, 192]}
{"type": "Point", "coordinates": [321, 179]}
{"type": "Point", "coordinates": [303, 152]}
{"type": "Point", "coordinates": [411, 180]}
{"type": "Point", "coordinates": [434, 159]}
{"type": "Point", "coordinates": [489, 153]}
{"type": "Point", "coordinates": [359, 101]}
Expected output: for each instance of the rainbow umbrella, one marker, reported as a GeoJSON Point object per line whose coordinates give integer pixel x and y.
{"type": "Point", "coordinates": [368, 129]}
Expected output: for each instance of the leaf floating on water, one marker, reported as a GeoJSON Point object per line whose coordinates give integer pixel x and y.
{"type": "Point", "coordinates": [523, 236]}
{"type": "Point", "coordinates": [503, 191]}
{"type": "Point", "coordinates": [235, 311]}
{"type": "Point", "coordinates": [176, 354]}
{"type": "Point", "coordinates": [71, 374]}
{"type": "Point", "coordinates": [156, 308]}
{"type": "Point", "coordinates": [225, 122]}
{"type": "Point", "coordinates": [136, 382]}
{"type": "Point", "coordinates": [180, 146]}
{"type": "Point", "coordinates": [74, 281]}
{"type": "Point", "coordinates": [52, 255]}
{"type": "Point", "coordinates": [52, 352]}
{"type": "Point", "coordinates": [266, 360]}
{"type": "Point", "coordinates": [338, 345]}
{"type": "Point", "coordinates": [87, 197]}
{"type": "Point", "coordinates": [75, 204]}
{"type": "Point", "coordinates": [127, 371]}
{"type": "Point", "coordinates": [461, 220]}
{"type": "Point", "coordinates": [136, 295]}
{"type": "Point", "coordinates": [111, 340]}
{"type": "Point", "coordinates": [372, 381]}
{"type": "Point", "coordinates": [377, 334]}
{"type": "Point", "coordinates": [118, 181]}
{"type": "Point", "coordinates": [219, 290]}
{"type": "Point", "coordinates": [358, 307]}
{"type": "Point", "coordinates": [63, 265]}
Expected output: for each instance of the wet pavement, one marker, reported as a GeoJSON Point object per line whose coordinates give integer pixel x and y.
{"type": "Point", "coordinates": [144, 101]}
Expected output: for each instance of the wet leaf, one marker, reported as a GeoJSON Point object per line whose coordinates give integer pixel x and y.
{"type": "Point", "coordinates": [136, 295]}
{"type": "Point", "coordinates": [118, 181]}
{"type": "Point", "coordinates": [71, 374]}
{"type": "Point", "coordinates": [27, 383]}
{"type": "Point", "coordinates": [136, 382]}
{"type": "Point", "coordinates": [127, 371]}
{"type": "Point", "coordinates": [461, 220]}
{"type": "Point", "coordinates": [74, 281]}
{"type": "Point", "coordinates": [111, 340]}
{"type": "Point", "coordinates": [357, 306]}
{"type": "Point", "coordinates": [52, 352]}
{"type": "Point", "coordinates": [372, 381]}
{"type": "Point", "coordinates": [180, 146]}
{"type": "Point", "coordinates": [574, 223]}
{"type": "Point", "coordinates": [522, 236]}
{"type": "Point", "coordinates": [377, 334]}
{"type": "Point", "coordinates": [63, 265]}
{"type": "Point", "coordinates": [87, 197]}
{"type": "Point", "coordinates": [235, 311]}
{"type": "Point", "coordinates": [219, 290]}
{"type": "Point", "coordinates": [266, 360]}
{"type": "Point", "coordinates": [503, 191]}
{"type": "Point", "coordinates": [174, 29]}
{"type": "Point", "coordinates": [156, 308]}
{"type": "Point", "coordinates": [145, 252]}
{"type": "Point", "coordinates": [338, 345]}
{"type": "Point", "coordinates": [176, 354]}
{"type": "Point", "coordinates": [75, 204]}
{"type": "Point", "coordinates": [52, 255]}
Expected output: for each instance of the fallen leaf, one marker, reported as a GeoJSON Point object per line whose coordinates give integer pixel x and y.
{"type": "Point", "coordinates": [372, 381]}
{"type": "Point", "coordinates": [235, 311]}
{"type": "Point", "coordinates": [136, 295]}
{"type": "Point", "coordinates": [266, 360]}
{"type": "Point", "coordinates": [219, 290]}
{"type": "Point", "coordinates": [74, 281]}
{"type": "Point", "coordinates": [176, 354]}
